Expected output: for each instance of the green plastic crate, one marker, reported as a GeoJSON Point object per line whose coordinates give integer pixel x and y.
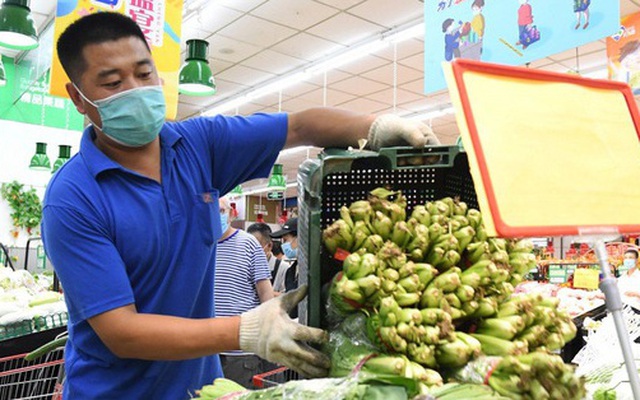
{"type": "Point", "coordinates": [339, 177]}
{"type": "Point", "coordinates": [29, 326]}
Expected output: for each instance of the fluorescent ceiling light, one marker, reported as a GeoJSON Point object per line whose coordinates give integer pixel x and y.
{"type": "Point", "coordinates": [293, 150]}
{"type": "Point", "coordinates": [336, 60]}
{"type": "Point", "coordinates": [431, 114]}
{"type": "Point", "coordinates": [348, 56]}
{"type": "Point", "coordinates": [277, 85]}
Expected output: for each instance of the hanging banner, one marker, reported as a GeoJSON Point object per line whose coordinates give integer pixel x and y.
{"type": "Point", "coordinates": [160, 21]}
{"type": "Point", "coordinates": [512, 32]}
{"type": "Point", "coordinates": [623, 53]}
{"type": "Point", "coordinates": [34, 104]}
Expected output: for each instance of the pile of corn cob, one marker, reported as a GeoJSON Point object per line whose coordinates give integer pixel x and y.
{"type": "Point", "coordinates": [437, 290]}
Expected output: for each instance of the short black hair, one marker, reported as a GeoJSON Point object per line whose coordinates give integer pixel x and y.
{"type": "Point", "coordinates": [276, 249]}
{"type": "Point", "coordinates": [262, 229]}
{"type": "Point", "coordinates": [93, 29]}
{"type": "Point", "coordinates": [632, 251]}
{"type": "Point", "coordinates": [446, 23]}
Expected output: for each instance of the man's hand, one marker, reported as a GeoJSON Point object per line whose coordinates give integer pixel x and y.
{"type": "Point", "coordinates": [268, 332]}
{"type": "Point", "coordinates": [390, 130]}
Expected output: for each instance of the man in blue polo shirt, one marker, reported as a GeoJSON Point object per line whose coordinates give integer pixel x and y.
{"type": "Point", "coordinates": [131, 223]}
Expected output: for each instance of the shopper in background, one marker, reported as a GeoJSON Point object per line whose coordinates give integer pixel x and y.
{"type": "Point", "coordinates": [277, 266]}
{"type": "Point", "coordinates": [276, 250]}
{"type": "Point", "coordinates": [288, 235]}
{"type": "Point", "coordinates": [242, 282]}
{"type": "Point", "coordinates": [131, 222]}
{"type": "Point", "coordinates": [629, 282]}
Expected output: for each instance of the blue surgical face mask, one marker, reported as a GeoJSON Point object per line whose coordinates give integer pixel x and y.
{"type": "Point", "coordinates": [132, 118]}
{"type": "Point", "coordinates": [289, 251]}
{"type": "Point", "coordinates": [629, 263]}
{"type": "Point", "coordinates": [224, 222]}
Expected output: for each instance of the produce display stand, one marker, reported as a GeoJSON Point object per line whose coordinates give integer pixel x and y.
{"type": "Point", "coordinates": [572, 348]}
{"type": "Point", "coordinates": [339, 177]}
{"type": "Point", "coordinates": [274, 378]}
{"type": "Point", "coordinates": [598, 151]}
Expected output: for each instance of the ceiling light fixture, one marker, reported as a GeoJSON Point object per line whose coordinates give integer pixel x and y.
{"type": "Point", "coordinates": [40, 161]}
{"type": "Point", "coordinates": [64, 154]}
{"type": "Point", "coordinates": [266, 189]}
{"type": "Point", "coordinates": [17, 27]}
{"type": "Point", "coordinates": [333, 61]}
{"type": "Point", "coordinates": [196, 78]}
{"type": "Point", "coordinates": [277, 182]}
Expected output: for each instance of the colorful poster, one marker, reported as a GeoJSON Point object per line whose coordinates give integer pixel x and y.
{"type": "Point", "coordinates": [512, 32]}
{"type": "Point", "coordinates": [623, 52]}
{"type": "Point", "coordinates": [161, 23]}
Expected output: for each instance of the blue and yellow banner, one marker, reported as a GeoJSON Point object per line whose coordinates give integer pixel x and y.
{"type": "Point", "coordinates": [512, 32]}
{"type": "Point", "coordinates": [161, 23]}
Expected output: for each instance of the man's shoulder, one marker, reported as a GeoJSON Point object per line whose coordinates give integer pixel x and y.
{"type": "Point", "coordinates": [72, 180]}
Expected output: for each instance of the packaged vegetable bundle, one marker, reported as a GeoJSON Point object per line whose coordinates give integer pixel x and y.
{"type": "Point", "coordinates": [533, 376]}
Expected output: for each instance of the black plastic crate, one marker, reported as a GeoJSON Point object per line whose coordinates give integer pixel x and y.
{"type": "Point", "coordinates": [340, 177]}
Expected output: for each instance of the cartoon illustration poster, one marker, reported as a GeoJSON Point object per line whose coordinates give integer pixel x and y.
{"type": "Point", "coordinates": [161, 23]}
{"type": "Point", "coordinates": [623, 52]}
{"type": "Point", "coordinates": [512, 32]}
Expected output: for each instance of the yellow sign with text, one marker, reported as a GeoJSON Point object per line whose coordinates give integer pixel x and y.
{"type": "Point", "coordinates": [586, 278]}
{"type": "Point", "coordinates": [161, 23]}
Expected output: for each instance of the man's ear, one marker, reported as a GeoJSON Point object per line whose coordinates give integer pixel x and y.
{"type": "Point", "coordinates": [74, 95]}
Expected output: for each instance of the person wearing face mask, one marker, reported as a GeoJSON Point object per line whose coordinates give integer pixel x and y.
{"type": "Point", "coordinates": [241, 283]}
{"type": "Point", "coordinates": [131, 222]}
{"type": "Point", "coordinates": [629, 281]}
{"type": "Point", "coordinates": [288, 235]}
{"type": "Point", "coordinates": [277, 266]}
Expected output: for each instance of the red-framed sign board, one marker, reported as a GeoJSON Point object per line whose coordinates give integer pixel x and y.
{"type": "Point", "coordinates": [551, 154]}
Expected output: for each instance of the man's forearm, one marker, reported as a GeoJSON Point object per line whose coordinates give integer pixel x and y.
{"type": "Point", "coordinates": [327, 127]}
{"type": "Point", "coordinates": [159, 337]}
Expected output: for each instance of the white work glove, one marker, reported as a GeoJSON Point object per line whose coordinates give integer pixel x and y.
{"type": "Point", "coordinates": [268, 332]}
{"type": "Point", "coordinates": [391, 130]}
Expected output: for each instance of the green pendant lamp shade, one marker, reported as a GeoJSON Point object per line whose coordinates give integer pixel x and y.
{"type": "Point", "coordinates": [3, 74]}
{"type": "Point", "coordinates": [277, 182]}
{"type": "Point", "coordinates": [40, 161]}
{"type": "Point", "coordinates": [17, 27]}
{"type": "Point", "coordinates": [237, 191]}
{"type": "Point", "coordinates": [63, 156]}
{"type": "Point", "coordinates": [196, 78]}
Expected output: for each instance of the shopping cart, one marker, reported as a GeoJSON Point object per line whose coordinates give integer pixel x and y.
{"type": "Point", "coordinates": [24, 378]}
{"type": "Point", "coordinates": [273, 378]}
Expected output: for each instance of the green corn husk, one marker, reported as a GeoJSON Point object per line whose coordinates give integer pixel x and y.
{"type": "Point", "coordinates": [382, 225]}
{"type": "Point", "coordinates": [462, 220]}
{"type": "Point", "coordinates": [477, 251]}
{"type": "Point", "coordinates": [474, 345]}
{"type": "Point", "coordinates": [397, 213]}
{"type": "Point", "coordinates": [494, 346]}
{"type": "Point", "coordinates": [497, 327]}
{"type": "Point", "coordinates": [387, 286]}
{"type": "Point", "coordinates": [431, 298]}
{"type": "Point", "coordinates": [422, 354]}
{"type": "Point", "coordinates": [425, 272]}
{"type": "Point", "coordinates": [470, 307]}
{"type": "Point", "coordinates": [481, 234]}
{"type": "Point", "coordinates": [457, 313]}
{"type": "Point", "coordinates": [438, 207]}
{"type": "Point", "coordinates": [465, 236]}
{"type": "Point", "coordinates": [431, 316]}
{"type": "Point", "coordinates": [390, 274]}
{"type": "Point", "coordinates": [435, 231]}
{"type": "Point", "coordinates": [520, 246]}
{"type": "Point", "coordinates": [401, 235]}
{"type": "Point", "coordinates": [471, 279]}
{"type": "Point", "coordinates": [453, 354]}
{"type": "Point", "coordinates": [346, 216]}
{"type": "Point", "coordinates": [465, 293]}
{"type": "Point", "coordinates": [409, 315]}
{"type": "Point", "coordinates": [359, 237]}
{"type": "Point", "coordinates": [416, 255]}
{"type": "Point", "coordinates": [487, 307]}
{"type": "Point", "coordinates": [392, 256]}
{"type": "Point", "coordinates": [453, 300]}
{"type": "Point", "coordinates": [421, 214]}
{"type": "Point", "coordinates": [475, 218]}
{"type": "Point", "coordinates": [369, 285]}
{"type": "Point", "coordinates": [436, 256]}
{"type": "Point", "coordinates": [373, 244]}
{"type": "Point", "coordinates": [351, 264]}
{"type": "Point", "coordinates": [450, 259]}
{"type": "Point", "coordinates": [392, 365]}
{"type": "Point", "coordinates": [407, 299]}
{"type": "Point", "coordinates": [410, 283]}
{"type": "Point", "coordinates": [408, 269]}
{"type": "Point", "coordinates": [448, 281]}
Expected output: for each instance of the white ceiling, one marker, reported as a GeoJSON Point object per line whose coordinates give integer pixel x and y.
{"type": "Point", "coordinates": [253, 41]}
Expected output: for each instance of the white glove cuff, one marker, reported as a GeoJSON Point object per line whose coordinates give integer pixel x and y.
{"type": "Point", "coordinates": [249, 332]}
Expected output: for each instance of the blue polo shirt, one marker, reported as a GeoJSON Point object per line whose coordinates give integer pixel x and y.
{"type": "Point", "coordinates": [117, 238]}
